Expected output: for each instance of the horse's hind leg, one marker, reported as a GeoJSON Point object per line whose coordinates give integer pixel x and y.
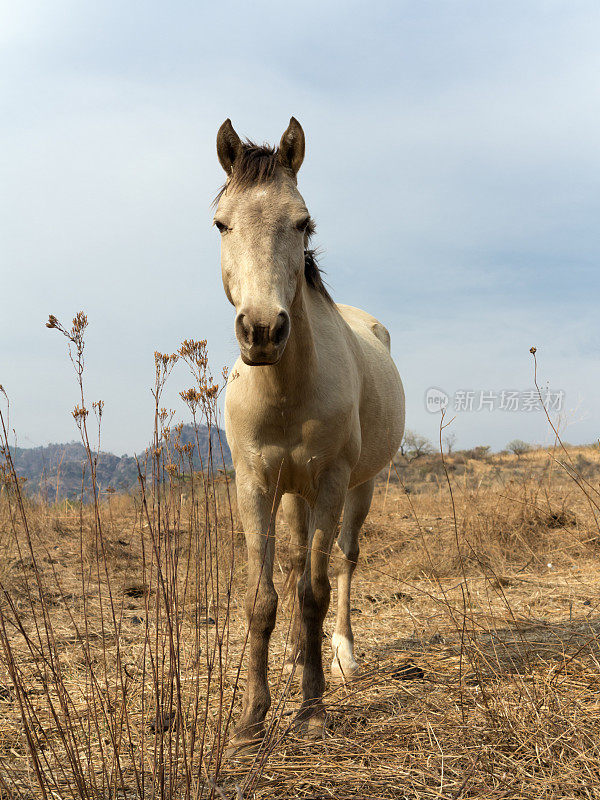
{"type": "Point", "coordinates": [314, 592]}
{"type": "Point", "coordinates": [297, 515]}
{"type": "Point", "coordinates": [345, 556]}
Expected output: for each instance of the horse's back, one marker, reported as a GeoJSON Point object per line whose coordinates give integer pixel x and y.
{"type": "Point", "coordinates": [382, 400]}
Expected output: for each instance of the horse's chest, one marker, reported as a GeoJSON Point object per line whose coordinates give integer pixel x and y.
{"type": "Point", "coordinates": [303, 445]}
{"type": "Point", "coordinates": [292, 447]}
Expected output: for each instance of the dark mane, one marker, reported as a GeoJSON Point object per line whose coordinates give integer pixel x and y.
{"type": "Point", "coordinates": [255, 164]}
{"type": "Point", "coordinates": [314, 276]}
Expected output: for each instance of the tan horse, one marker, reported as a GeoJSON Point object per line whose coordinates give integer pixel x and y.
{"type": "Point", "coordinates": [314, 410]}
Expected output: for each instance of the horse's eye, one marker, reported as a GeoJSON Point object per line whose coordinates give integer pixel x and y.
{"type": "Point", "coordinates": [303, 224]}
{"type": "Point", "coordinates": [222, 228]}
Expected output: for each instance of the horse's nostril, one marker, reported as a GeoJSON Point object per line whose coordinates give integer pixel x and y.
{"type": "Point", "coordinates": [243, 329]}
{"type": "Point", "coordinates": [280, 328]}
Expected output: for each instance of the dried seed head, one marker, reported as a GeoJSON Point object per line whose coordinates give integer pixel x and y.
{"type": "Point", "coordinates": [194, 351]}
{"type": "Point", "coordinates": [165, 360]}
{"type": "Point", "coordinates": [80, 322]}
{"type": "Point", "coordinates": [191, 396]}
{"type": "Point", "coordinates": [80, 413]}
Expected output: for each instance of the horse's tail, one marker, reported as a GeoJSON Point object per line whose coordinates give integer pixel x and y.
{"type": "Point", "coordinates": [382, 333]}
{"type": "Point", "coordinates": [289, 585]}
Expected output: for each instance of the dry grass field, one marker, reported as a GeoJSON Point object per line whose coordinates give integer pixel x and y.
{"type": "Point", "coordinates": [476, 622]}
{"type": "Point", "coordinates": [475, 612]}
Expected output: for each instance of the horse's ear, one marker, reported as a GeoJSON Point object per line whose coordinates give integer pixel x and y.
{"type": "Point", "coordinates": [291, 146]}
{"type": "Point", "coordinates": [229, 145]}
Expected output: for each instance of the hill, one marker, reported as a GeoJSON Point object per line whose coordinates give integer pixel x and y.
{"type": "Point", "coordinates": [57, 471]}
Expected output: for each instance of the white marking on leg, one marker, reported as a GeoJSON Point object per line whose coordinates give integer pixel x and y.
{"type": "Point", "coordinates": [343, 655]}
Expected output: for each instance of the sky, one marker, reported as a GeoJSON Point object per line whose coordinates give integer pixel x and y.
{"type": "Point", "coordinates": [452, 167]}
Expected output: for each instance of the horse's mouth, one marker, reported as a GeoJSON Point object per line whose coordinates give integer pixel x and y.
{"type": "Point", "coordinates": [260, 362]}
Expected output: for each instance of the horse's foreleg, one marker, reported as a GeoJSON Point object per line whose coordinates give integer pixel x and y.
{"type": "Point", "coordinates": [314, 592]}
{"type": "Point", "coordinates": [345, 556]}
{"type": "Point", "coordinates": [297, 516]}
{"type": "Point", "coordinates": [257, 511]}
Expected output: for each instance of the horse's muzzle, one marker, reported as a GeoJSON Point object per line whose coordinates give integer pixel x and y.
{"type": "Point", "coordinates": [261, 342]}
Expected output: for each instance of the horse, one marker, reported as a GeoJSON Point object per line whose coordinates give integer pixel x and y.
{"type": "Point", "coordinates": [314, 409]}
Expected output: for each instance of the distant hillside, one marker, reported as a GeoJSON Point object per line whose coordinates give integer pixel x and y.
{"type": "Point", "coordinates": [55, 471]}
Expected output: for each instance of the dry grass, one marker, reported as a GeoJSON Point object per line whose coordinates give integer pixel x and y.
{"type": "Point", "coordinates": [483, 684]}
{"type": "Point", "coordinates": [475, 616]}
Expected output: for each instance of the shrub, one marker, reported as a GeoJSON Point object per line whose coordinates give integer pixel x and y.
{"type": "Point", "coordinates": [518, 447]}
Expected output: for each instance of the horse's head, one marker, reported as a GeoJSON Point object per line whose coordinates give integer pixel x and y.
{"type": "Point", "coordinates": [264, 226]}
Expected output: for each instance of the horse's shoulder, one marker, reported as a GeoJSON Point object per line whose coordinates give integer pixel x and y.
{"type": "Point", "coordinates": [357, 319]}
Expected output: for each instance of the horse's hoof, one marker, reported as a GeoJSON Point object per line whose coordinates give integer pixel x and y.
{"type": "Point", "coordinates": [245, 741]}
{"type": "Point", "coordinates": [315, 726]}
{"type": "Point", "coordinates": [293, 668]}
{"type": "Point", "coordinates": [344, 673]}
{"type": "Point", "coordinates": [242, 749]}
{"type": "Point", "coordinates": [310, 720]}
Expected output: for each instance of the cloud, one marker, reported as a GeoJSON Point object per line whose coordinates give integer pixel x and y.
{"type": "Point", "coordinates": [452, 168]}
